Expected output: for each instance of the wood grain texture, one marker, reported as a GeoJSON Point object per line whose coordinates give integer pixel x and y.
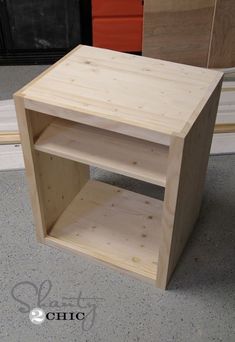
{"type": "Point", "coordinates": [113, 225]}
{"type": "Point", "coordinates": [188, 158]}
{"type": "Point", "coordinates": [50, 194]}
{"type": "Point", "coordinates": [52, 171]}
{"type": "Point", "coordinates": [121, 92]}
{"type": "Point", "coordinates": [178, 31]}
{"type": "Point", "coordinates": [31, 167]}
{"type": "Point", "coordinates": [55, 193]}
{"type": "Point", "coordinates": [9, 138]}
{"type": "Point", "coordinates": [115, 152]}
{"type": "Point", "coordinates": [225, 128]}
{"type": "Point", "coordinates": [60, 181]}
{"type": "Point", "coordinates": [222, 50]}
{"type": "Point", "coordinates": [135, 96]}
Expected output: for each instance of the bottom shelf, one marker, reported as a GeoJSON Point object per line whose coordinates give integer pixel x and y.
{"type": "Point", "coordinates": [113, 225]}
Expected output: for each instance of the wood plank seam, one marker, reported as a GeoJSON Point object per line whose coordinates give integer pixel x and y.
{"type": "Point", "coordinates": [211, 35]}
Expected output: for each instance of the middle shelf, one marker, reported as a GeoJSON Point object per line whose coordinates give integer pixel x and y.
{"type": "Point", "coordinates": [114, 152]}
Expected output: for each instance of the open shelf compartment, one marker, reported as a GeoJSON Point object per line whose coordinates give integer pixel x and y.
{"type": "Point", "coordinates": [114, 152]}
{"type": "Point", "coordinates": [113, 225]}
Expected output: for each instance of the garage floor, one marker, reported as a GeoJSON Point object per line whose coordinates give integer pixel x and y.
{"type": "Point", "coordinates": [198, 307]}
{"type": "Point", "coordinates": [12, 78]}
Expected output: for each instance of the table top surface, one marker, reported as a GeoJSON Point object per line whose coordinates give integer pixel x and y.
{"type": "Point", "coordinates": [141, 92]}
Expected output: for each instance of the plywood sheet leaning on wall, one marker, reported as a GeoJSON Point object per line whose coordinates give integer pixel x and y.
{"type": "Point", "coordinates": [222, 49]}
{"type": "Point", "coordinates": [178, 31]}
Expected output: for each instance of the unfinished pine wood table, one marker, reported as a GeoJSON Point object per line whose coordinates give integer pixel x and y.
{"type": "Point", "coordinates": [144, 118]}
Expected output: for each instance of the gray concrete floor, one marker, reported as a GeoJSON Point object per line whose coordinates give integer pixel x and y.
{"type": "Point", "coordinates": [12, 78]}
{"type": "Point", "coordinates": [199, 305]}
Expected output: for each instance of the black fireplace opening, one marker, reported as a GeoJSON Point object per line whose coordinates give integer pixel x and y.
{"type": "Point", "coordinates": [42, 31]}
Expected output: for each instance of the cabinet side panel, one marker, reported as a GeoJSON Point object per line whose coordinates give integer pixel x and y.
{"type": "Point", "coordinates": [60, 181]}
{"type": "Point", "coordinates": [187, 167]}
{"type": "Point", "coordinates": [169, 208]}
{"type": "Point", "coordinates": [53, 181]}
{"type": "Point", "coordinates": [30, 167]}
{"type": "Point", "coordinates": [38, 122]}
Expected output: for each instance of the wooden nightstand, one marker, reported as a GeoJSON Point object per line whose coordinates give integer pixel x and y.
{"type": "Point", "coordinates": [144, 118]}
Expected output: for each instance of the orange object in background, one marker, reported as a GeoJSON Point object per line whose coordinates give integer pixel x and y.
{"type": "Point", "coordinates": [101, 8]}
{"type": "Point", "coordinates": [117, 24]}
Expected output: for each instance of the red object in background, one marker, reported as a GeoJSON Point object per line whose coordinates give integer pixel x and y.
{"type": "Point", "coordinates": [109, 8]}
{"type": "Point", "coordinates": [117, 24]}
